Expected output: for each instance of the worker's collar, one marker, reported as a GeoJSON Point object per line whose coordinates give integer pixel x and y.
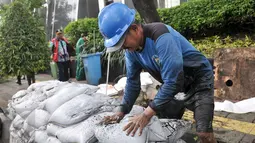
{"type": "Point", "coordinates": [140, 49]}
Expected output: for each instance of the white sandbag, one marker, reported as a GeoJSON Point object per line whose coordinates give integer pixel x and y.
{"type": "Point", "coordinates": [113, 133]}
{"type": "Point", "coordinates": [64, 95]}
{"type": "Point", "coordinates": [19, 134]}
{"type": "Point", "coordinates": [121, 84]}
{"type": "Point", "coordinates": [77, 109]}
{"type": "Point", "coordinates": [38, 118]}
{"type": "Point", "coordinates": [25, 113]}
{"type": "Point", "coordinates": [50, 90]}
{"type": "Point", "coordinates": [169, 130]}
{"type": "Point", "coordinates": [11, 112]}
{"type": "Point", "coordinates": [111, 90]}
{"type": "Point", "coordinates": [145, 78]}
{"type": "Point", "coordinates": [28, 129]}
{"type": "Point", "coordinates": [48, 87]}
{"type": "Point", "coordinates": [158, 130]}
{"type": "Point", "coordinates": [82, 132]}
{"type": "Point", "coordinates": [16, 101]}
{"type": "Point", "coordinates": [52, 129]}
{"type": "Point", "coordinates": [30, 102]}
{"type": "Point", "coordinates": [18, 122]}
{"type": "Point", "coordinates": [107, 100]}
{"type": "Point", "coordinates": [36, 96]}
{"type": "Point", "coordinates": [241, 107]}
{"type": "Point", "coordinates": [40, 85]}
{"type": "Point", "coordinates": [40, 136]}
{"type": "Point", "coordinates": [19, 94]}
{"type": "Point", "coordinates": [25, 107]}
{"type": "Point", "coordinates": [136, 110]}
{"type": "Point", "coordinates": [15, 138]}
{"type": "Point", "coordinates": [53, 140]}
{"type": "Point", "coordinates": [92, 89]}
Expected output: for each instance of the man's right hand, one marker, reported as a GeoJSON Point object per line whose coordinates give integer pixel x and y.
{"type": "Point", "coordinates": [116, 118]}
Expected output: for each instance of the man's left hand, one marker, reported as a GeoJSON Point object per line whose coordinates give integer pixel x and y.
{"type": "Point", "coordinates": [139, 122]}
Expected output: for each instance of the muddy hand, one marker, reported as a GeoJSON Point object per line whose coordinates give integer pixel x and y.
{"type": "Point", "coordinates": [116, 118]}
{"type": "Point", "coordinates": [135, 123]}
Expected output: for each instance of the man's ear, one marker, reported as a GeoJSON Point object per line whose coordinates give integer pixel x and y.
{"type": "Point", "coordinates": [134, 27]}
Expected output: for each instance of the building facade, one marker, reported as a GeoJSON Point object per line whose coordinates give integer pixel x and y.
{"type": "Point", "coordinates": [60, 12]}
{"type": "Point", "coordinates": [5, 1]}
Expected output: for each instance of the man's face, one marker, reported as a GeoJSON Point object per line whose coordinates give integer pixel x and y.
{"type": "Point", "coordinates": [60, 35]}
{"type": "Point", "coordinates": [133, 38]}
{"type": "Point", "coordinates": [84, 38]}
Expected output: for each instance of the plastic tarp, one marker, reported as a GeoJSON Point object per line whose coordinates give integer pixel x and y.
{"type": "Point", "coordinates": [244, 106]}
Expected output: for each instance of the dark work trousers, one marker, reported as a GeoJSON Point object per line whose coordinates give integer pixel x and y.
{"type": "Point", "coordinates": [18, 80]}
{"type": "Point", "coordinates": [199, 99]}
{"type": "Point", "coordinates": [31, 78]}
{"type": "Point", "coordinates": [63, 71]}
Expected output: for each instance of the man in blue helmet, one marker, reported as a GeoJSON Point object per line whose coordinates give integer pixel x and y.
{"type": "Point", "coordinates": [169, 58]}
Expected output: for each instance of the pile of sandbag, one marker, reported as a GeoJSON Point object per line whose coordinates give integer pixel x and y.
{"type": "Point", "coordinates": [59, 112]}
{"type": "Point", "coordinates": [148, 85]}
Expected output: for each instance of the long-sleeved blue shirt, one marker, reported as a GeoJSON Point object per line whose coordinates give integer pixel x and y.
{"type": "Point", "coordinates": [167, 56]}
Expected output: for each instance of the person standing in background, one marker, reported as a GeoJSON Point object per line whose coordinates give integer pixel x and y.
{"type": "Point", "coordinates": [30, 78]}
{"type": "Point", "coordinates": [60, 53]}
{"type": "Point", "coordinates": [80, 46]}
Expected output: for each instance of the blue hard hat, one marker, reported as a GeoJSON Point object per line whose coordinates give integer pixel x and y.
{"type": "Point", "coordinates": [113, 22]}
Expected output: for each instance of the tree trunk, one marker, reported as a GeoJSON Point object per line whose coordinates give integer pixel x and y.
{"type": "Point", "coordinates": [147, 10]}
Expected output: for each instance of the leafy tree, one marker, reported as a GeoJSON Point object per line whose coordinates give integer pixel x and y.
{"type": "Point", "coordinates": [23, 45]}
{"type": "Point", "coordinates": [31, 4]}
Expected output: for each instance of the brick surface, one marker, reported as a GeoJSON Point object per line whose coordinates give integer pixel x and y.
{"type": "Point", "coordinates": [248, 117]}
{"type": "Point", "coordinates": [248, 139]}
{"type": "Point", "coordinates": [227, 136]}
{"type": "Point", "coordinates": [221, 114]}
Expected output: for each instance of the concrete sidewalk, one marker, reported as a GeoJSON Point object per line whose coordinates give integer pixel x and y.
{"type": "Point", "coordinates": [229, 128]}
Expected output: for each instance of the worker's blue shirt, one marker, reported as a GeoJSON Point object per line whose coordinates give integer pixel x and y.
{"type": "Point", "coordinates": [167, 56]}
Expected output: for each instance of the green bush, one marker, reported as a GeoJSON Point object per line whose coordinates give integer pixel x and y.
{"type": "Point", "coordinates": [95, 40]}
{"type": "Point", "coordinates": [206, 17]}
{"type": "Point", "coordinates": [209, 44]}
{"type": "Point", "coordinates": [23, 45]}
{"type": "Point", "coordinates": [74, 29]}
{"type": "Point", "coordinates": [194, 19]}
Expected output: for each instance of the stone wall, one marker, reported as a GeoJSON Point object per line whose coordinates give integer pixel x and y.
{"type": "Point", "coordinates": [234, 73]}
